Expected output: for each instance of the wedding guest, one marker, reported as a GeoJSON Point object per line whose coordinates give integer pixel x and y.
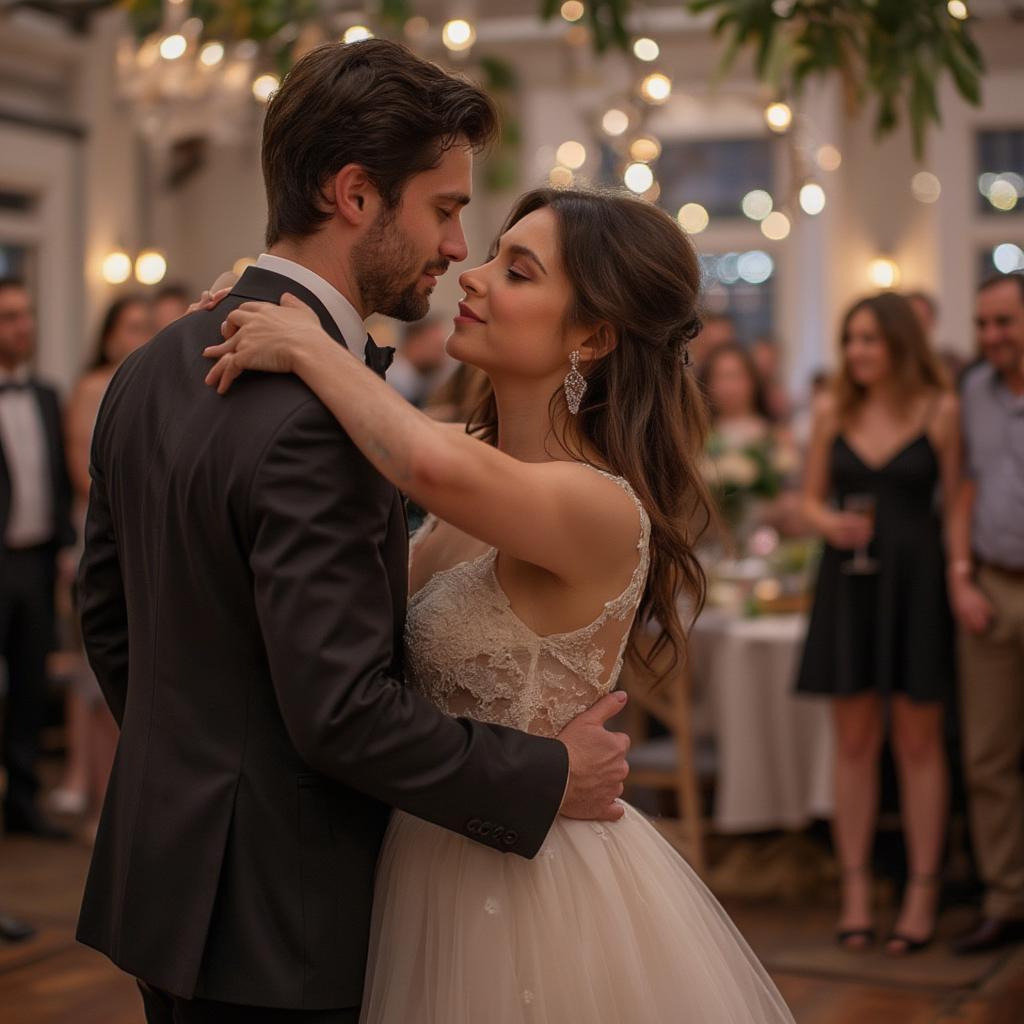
{"type": "Point", "coordinates": [459, 396]}
{"type": "Point", "coordinates": [926, 309]}
{"type": "Point", "coordinates": [92, 733]}
{"type": "Point", "coordinates": [742, 425]}
{"type": "Point", "coordinates": [768, 360]}
{"type": "Point", "coordinates": [880, 636]}
{"type": "Point", "coordinates": [716, 329]}
{"type": "Point", "coordinates": [735, 393]}
{"type": "Point", "coordinates": [421, 364]}
{"type": "Point", "coordinates": [35, 523]}
{"type": "Point", "coordinates": [986, 580]}
{"type": "Point", "coordinates": [169, 303]}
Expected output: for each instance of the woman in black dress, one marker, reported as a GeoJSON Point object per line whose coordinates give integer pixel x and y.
{"type": "Point", "coordinates": [884, 444]}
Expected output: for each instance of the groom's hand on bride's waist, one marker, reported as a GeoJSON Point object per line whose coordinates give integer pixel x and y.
{"type": "Point", "coordinates": [597, 763]}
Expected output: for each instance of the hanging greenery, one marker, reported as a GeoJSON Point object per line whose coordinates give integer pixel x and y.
{"type": "Point", "coordinates": [894, 51]}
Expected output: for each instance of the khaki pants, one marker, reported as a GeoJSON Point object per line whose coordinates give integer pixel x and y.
{"type": "Point", "coordinates": [992, 713]}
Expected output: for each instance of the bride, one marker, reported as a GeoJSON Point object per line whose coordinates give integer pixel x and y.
{"type": "Point", "coordinates": [559, 521]}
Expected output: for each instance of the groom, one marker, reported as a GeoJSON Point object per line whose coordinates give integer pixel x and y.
{"type": "Point", "coordinates": [243, 595]}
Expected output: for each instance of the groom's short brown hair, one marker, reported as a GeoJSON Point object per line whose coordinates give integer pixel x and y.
{"type": "Point", "coordinates": [372, 103]}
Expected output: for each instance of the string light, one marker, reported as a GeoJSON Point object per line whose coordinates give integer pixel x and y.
{"type": "Point", "coordinates": [573, 10]}
{"type": "Point", "coordinates": [173, 47]}
{"type": "Point", "coordinates": [958, 9]}
{"type": "Point", "coordinates": [150, 267]}
{"type": "Point", "coordinates": [757, 204]}
{"type": "Point", "coordinates": [265, 86]}
{"type": "Point", "coordinates": [645, 149]}
{"type": "Point", "coordinates": [357, 33]}
{"type": "Point", "coordinates": [211, 54]}
{"type": "Point", "coordinates": [646, 49]}
{"type": "Point", "coordinates": [1008, 258]}
{"type": "Point", "coordinates": [755, 267]}
{"type": "Point", "coordinates": [458, 35]}
{"type": "Point", "coordinates": [829, 158]}
{"type": "Point", "coordinates": [572, 155]}
{"type": "Point", "coordinates": [775, 226]}
{"type": "Point", "coordinates": [693, 218]}
{"type": "Point", "coordinates": [1003, 194]}
{"type": "Point", "coordinates": [116, 267]}
{"type": "Point", "coordinates": [638, 178]}
{"type": "Point", "coordinates": [615, 121]}
{"type": "Point", "coordinates": [925, 187]}
{"type": "Point", "coordinates": [560, 177]}
{"type": "Point", "coordinates": [884, 272]}
{"type": "Point", "coordinates": [656, 88]}
{"type": "Point", "coordinates": [779, 116]}
{"type": "Point", "coordinates": [812, 199]}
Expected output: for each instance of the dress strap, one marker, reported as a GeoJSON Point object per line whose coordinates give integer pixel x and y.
{"type": "Point", "coordinates": [645, 519]}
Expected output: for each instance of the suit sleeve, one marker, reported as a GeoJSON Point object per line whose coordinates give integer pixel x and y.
{"type": "Point", "coordinates": [319, 515]}
{"type": "Point", "coordinates": [65, 531]}
{"type": "Point", "coordinates": [101, 597]}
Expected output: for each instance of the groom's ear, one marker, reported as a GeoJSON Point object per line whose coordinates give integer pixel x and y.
{"type": "Point", "coordinates": [353, 196]}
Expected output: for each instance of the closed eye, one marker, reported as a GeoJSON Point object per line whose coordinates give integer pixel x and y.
{"type": "Point", "coordinates": [513, 275]}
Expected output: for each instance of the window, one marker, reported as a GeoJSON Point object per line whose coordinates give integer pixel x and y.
{"type": "Point", "coordinates": [1000, 167]}
{"type": "Point", "coordinates": [13, 261]}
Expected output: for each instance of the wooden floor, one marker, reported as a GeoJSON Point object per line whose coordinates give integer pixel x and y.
{"type": "Point", "coordinates": [51, 980]}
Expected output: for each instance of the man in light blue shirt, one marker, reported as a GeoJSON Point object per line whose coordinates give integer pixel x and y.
{"type": "Point", "coordinates": [986, 585]}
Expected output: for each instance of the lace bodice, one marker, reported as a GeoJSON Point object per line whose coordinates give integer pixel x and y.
{"type": "Point", "coordinates": [469, 653]}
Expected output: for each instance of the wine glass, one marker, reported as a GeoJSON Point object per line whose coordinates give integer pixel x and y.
{"type": "Point", "coordinates": [862, 564]}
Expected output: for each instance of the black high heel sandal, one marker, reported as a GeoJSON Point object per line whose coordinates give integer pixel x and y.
{"type": "Point", "coordinates": [907, 944]}
{"type": "Point", "coordinates": [865, 937]}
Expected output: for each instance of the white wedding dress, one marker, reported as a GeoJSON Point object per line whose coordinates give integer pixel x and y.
{"type": "Point", "coordinates": [608, 924]}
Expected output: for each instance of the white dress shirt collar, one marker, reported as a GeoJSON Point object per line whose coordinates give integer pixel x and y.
{"type": "Point", "coordinates": [342, 312]}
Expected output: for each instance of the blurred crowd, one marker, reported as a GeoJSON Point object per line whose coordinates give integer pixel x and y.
{"type": "Point", "coordinates": [905, 461]}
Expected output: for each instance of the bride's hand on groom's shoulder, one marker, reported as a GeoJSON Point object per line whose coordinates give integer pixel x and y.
{"type": "Point", "coordinates": [212, 296]}
{"type": "Point", "coordinates": [263, 336]}
{"type": "Point", "coordinates": [597, 763]}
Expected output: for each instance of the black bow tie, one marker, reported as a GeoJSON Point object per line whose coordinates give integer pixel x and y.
{"type": "Point", "coordinates": [14, 385]}
{"type": "Point", "coordinates": [378, 357]}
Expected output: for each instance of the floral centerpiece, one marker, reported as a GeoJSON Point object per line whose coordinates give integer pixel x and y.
{"type": "Point", "coordinates": [743, 476]}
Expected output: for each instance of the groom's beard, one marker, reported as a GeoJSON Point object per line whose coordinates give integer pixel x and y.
{"type": "Point", "coordinates": [388, 272]}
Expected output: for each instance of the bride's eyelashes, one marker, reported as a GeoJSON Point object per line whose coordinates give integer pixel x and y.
{"type": "Point", "coordinates": [514, 275]}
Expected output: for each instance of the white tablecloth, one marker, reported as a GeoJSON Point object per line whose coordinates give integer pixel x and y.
{"type": "Point", "coordinates": [774, 748]}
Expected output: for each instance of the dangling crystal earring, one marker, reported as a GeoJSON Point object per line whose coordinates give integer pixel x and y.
{"type": "Point", "coordinates": [575, 384]}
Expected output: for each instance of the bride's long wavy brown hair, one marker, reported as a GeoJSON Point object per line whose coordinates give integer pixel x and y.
{"type": "Point", "coordinates": [632, 267]}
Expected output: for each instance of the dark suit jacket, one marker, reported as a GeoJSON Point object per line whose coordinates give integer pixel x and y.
{"type": "Point", "coordinates": [243, 599]}
{"type": "Point", "coordinates": [60, 485]}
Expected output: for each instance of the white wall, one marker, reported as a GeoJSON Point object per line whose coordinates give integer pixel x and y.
{"type": "Point", "coordinates": [218, 216]}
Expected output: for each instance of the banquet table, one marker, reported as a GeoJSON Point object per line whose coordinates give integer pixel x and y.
{"type": "Point", "coordinates": [773, 748]}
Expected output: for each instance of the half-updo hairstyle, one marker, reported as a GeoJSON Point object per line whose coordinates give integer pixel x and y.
{"type": "Point", "coordinates": [632, 267]}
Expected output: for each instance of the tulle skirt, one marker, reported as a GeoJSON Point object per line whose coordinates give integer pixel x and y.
{"type": "Point", "coordinates": [607, 925]}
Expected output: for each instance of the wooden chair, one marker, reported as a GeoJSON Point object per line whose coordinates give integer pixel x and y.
{"type": "Point", "coordinates": [666, 762]}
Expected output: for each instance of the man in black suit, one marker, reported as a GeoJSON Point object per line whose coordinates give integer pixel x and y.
{"type": "Point", "coordinates": [35, 522]}
{"type": "Point", "coordinates": [244, 585]}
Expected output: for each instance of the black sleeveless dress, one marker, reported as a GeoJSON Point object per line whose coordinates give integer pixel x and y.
{"type": "Point", "coordinates": [891, 631]}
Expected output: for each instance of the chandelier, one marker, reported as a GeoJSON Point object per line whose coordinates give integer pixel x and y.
{"type": "Point", "coordinates": [202, 69]}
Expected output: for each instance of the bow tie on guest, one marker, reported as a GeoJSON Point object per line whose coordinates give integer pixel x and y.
{"type": "Point", "coordinates": [13, 385]}
{"type": "Point", "coordinates": [378, 357]}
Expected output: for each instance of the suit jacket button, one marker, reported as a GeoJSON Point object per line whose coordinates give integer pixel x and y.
{"type": "Point", "coordinates": [473, 825]}
{"type": "Point", "coordinates": [510, 838]}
